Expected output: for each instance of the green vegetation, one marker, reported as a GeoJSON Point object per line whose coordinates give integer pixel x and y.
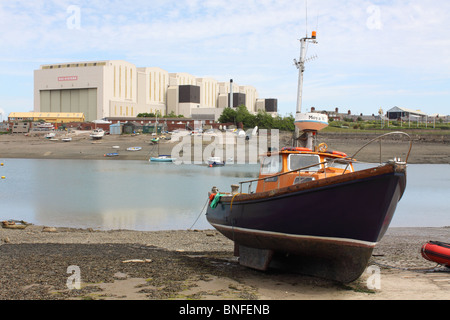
{"type": "Point", "coordinates": [351, 126]}
{"type": "Point", "coordinates": [265, 121]}
{"type": "Point", "coordinates": [153, 115]}
{"type": "Point", "coordinates": [262, 119]}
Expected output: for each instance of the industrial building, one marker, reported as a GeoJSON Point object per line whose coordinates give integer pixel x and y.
{"type": "Point", "coordinates": [116, 88]}
{"type": "Point", "coordinates": [52, 117]}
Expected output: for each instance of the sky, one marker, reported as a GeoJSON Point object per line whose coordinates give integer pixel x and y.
{"type": "Point", "coordinates": [369, 55]}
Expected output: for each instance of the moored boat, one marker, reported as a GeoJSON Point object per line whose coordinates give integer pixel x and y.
{"type": "Point", "coordinates": [215, 162]}
{"type": "Point", "coordinates": [437, 251]}
{"type": "Point", "coordinates": [162, 158]}
{"type": "Point", "coordinates": [97, 134]}
{"type": "Point", "coordinates": [312, 210]}
{"type": "Point", "coordinates": [134, 149]}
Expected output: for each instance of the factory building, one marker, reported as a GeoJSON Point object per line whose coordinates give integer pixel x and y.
{"type": "Point", "coordinates": [116, 88]}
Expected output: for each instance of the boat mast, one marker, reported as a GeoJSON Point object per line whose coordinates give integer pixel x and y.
{"type": "Point", "coordinates": [301, 69]}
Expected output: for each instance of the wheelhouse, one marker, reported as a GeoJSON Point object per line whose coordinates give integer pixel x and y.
{"type": "Point", "coordinates": [292, 166]}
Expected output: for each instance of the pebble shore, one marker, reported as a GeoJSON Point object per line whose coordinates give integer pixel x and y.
{"type": "Point", "coordinates": [165, 264]}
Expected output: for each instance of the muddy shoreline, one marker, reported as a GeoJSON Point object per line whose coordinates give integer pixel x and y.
{"type": "Point", "coordinates": [198, 265]}
{"type": "Point", "coordinates": [432, 149]}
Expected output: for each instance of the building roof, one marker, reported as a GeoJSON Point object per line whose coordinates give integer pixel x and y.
{"type": "Point", "coordinates": [46, 115]}
{"type": "Point", "coordinates": [400, 109]}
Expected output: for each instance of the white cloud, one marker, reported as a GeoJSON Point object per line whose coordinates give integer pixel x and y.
{"type": "Point", "coordinates": [254, 41]}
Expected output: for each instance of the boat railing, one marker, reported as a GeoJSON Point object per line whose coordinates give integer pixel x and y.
{"type": "Point", "coordinates": [349, 160]}
{"type": "Point", "coordinates": [380, 139]}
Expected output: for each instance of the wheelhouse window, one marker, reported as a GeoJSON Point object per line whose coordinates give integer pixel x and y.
{"type": "Point", "coordinates": [339, 164]}
{"type": "Point", "coordinates": [271, 165]}
{"type": "Point", "coordinates": [297, 161]}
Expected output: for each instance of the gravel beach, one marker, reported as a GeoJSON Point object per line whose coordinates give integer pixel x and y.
{"type": "Point", "coordinates": [196, 264]}
{"type": "Point", "coordinates": [40, 263]}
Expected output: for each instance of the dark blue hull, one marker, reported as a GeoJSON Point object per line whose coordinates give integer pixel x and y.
{"type": "Point", "coordinates": [334, 222]}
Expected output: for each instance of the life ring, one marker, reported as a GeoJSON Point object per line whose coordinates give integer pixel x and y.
{"type": "Point", "coordinates": [322, 147]}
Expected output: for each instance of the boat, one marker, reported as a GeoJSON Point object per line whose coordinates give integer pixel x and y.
{"type": "Point", "coordinates": [97, 134]}
{"type": "Point", "coordinates": [50, 135]}
{"type": "Point", "coordinates": [162, 158]}
{"type": "Point", "coordinates": [313, 211]}
{"type": "Point", "coordinates": [14, 224]}
{"type": "Point", "coordinates": [134, 148]}
{"type": "Point", "coordinates": [111, 154]}
{"type": "Point", "coordinates": [215, 162]}
{"type": "Point", "coordinates": [45, 126]}
{"type": "Point", "coordinates": [155, 140]}
{"type": "Point", "coordinates": [66, 139]}
{"type": "Point", "coordinates": [437, 251]}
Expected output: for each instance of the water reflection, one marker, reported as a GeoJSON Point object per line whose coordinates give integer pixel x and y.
{"type": "Point", "coordinates": [139, 195]}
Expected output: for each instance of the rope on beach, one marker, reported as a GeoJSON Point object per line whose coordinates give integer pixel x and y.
{"type": "Point", "coordinates": [435, 269]}
{"type": "Point", "coordinates": [199, 214]}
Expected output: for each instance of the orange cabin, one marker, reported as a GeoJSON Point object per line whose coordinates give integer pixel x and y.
{"type": "Point", "coordinates": [280, 169]}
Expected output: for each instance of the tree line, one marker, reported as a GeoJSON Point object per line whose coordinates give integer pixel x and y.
{"type": "Point", "coordinates": [262, 119]}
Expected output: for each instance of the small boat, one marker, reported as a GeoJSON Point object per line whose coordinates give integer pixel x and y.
{"type": "Point", "coordinates": [111, 154]}
{"type": "Point", "coordinates": [97, 134]}
{"type": "Point", "coordinates": [67, 139]}
{"type": "Point", "coordinates": [437, 251]}
{"type": "Point", "coordinates": [46, 126]}
{"type": "Point", "coordinates": [50, 135]}
{"type": "Point", "coordinates": [162, 158]}
{"type": "Point", "coordinates": [134, 148]}
{"type": "Point", "coordinates": [215, 162]}
{"type": "Point", "coordinates": [14, 224]}
{"type": "Point", "coordinates": [155, 140]}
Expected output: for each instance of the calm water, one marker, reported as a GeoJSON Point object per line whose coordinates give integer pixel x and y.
{"type": "Point", "coordinates": [139, 195]}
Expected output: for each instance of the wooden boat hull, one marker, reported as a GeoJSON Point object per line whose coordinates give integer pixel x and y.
{"type": "Point", "coordinates": [330, 225]}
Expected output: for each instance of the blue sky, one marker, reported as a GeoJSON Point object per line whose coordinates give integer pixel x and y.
{"type": "Point", "coordinates": [370, 55]}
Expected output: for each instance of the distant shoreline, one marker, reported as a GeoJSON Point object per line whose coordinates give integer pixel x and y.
{"type": "Point", "coordinates": [427, 149]}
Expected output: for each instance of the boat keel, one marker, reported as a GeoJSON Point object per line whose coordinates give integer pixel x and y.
{"type": "Point", "coordinates": [258, 259]}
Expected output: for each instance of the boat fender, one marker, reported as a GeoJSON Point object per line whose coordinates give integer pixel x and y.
{"type": "Point", "coordinates": [215, 201]}
{"type": "Point", "coordinates": [211, 196]}
{"type": "Point", "coordinates": [303, 149]}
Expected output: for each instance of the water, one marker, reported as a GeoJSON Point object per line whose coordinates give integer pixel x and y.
{"type": "Point", "coordinates": [138, 195]}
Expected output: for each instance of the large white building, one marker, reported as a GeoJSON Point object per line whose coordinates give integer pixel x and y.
{"type": "Point", "coordinates": [116, 88]}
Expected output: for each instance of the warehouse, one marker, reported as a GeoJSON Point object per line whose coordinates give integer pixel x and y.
{"type": "Point", "coordinates": [117, 88]}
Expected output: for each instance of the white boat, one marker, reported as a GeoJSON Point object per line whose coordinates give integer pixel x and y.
{"type": "Point", "coordinates": [97, 133]}
{"type": "Point", "coordinates": [50, 135]}
{"type": "Point", "coordinates": [134, 148]}
{"type": "Point", "coordinates": [162, 158]}
{"type": "Point", "coordinates": [46, 125]}
{"type": "Point", "coordinates": [215, 161]}
{"type": "Point", "coordinates": [66, 139]}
